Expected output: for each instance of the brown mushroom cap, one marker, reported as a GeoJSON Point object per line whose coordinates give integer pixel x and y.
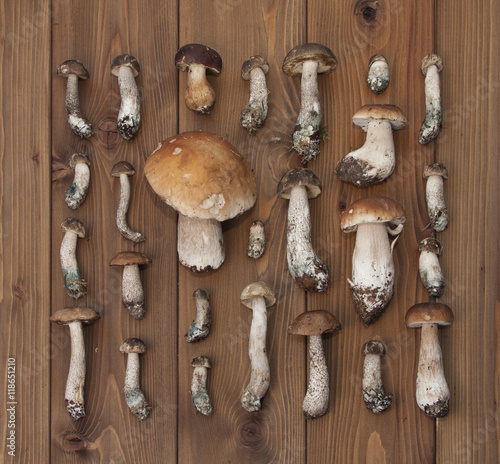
{"type": "Point", "coordinates": [435, 169]}
{"type": "Point", "coordinates": [73, 225]}
{"type": "Point", "coordinates": [125, 60]}
{"type": "Point", "coordinates": [198, 54]}
{"type": "Point", "coordinates": [133, 345]}
{"type": "Point", "coordinates": [202, 361]}
{"type": "Point", "coordinates": [74, 314]}
{"type": "Point", "coordinates": [128, 258]}
{"type": "Point", "coordinates": [369, 210]}
{"type": "Point", "coordinates": [122, 167]}
{"type": "Point", "coordinates": [375, 58]}
{"type": "Point", "coordinates": [200, 294]}
{"type": "Point", "coordinates": [299, 177]}
{"type": "Point", "coordinates": [201, 175]}
{"type": "Point", "coordinates": [257, 289]}
{"type": "Point", "coordinates": [294, 60]}
{"type": "Point", "coordinates": [251, 63]}
{"type": "Point", "coordinates": [77, 158]}
{"type": "Point", "coordinates": [429, 313]}
{"type": "Point", "coordinates": [390, 113]}
{"type": "Point", "coordinates": [314, 323]}
{"type": "Point", "coordinates": [431, 245]}
{"type": "Point", "coordinates": [431, 60]}
{"type": "Point", "coordinates": [373, 347]}
{"type": "Point", "coordinates": [73, 67]}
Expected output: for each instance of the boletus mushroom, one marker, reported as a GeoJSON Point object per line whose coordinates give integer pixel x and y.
{"type": "Point", "coordinates": [199, 393]}
{"type": "Point", "coordinates": [435, 174]}
{"type": "Point", "coordinates": [378, 74]}
{"type": "Point", "coordinates": [429, 267]}
{"type": "Point", "coordinates": [76, 286]}
{"type": "Point", "coordinates": [374, 395]}
{"type": "Point", "coordinates": [254, 116]}
{"type": "Point", "coordinates": [431, 66]}
{"type": "Point", "coordinates": [77, 192]}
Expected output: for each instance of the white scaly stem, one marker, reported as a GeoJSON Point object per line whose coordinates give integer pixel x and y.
{"type": "Point", "coordinates": [317, 397]}
{"type": "Point", "coordinates": [436, 207]}
{"type": "Point", "coordinates": [129, 117]}
{"type": "Point", "coordinates": [121, 213]}
{"type": "Point", "coordinates": [74, 395]}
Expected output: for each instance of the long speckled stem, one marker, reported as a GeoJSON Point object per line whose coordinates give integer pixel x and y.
{"type": "Point", "coordinates": [431, 127]}
{"type": "Point", "coordinates": [430, 273]}
{"type": "Point", "coordinates": [317, 397]}
{"type": "Point", "coordinates": [78, 123]}
{"type": "Point", "coordinates": [200, 328]}
{"type": "Point", "coordinates": [134, 397]}
{"type": "Point", "coordinates": [199, 393]}
{"type": "Point", "coordinates": [255, 114]}
{"type": "Point", "coordinates": [75, 383]}
{"type": "Point", "coordinates": [436, 207]}
{"type": "Point", "coordinates": [76, 287]}
{"type": "Point", "coordinates": [132, 291]}
{"type": "Point", "coordinates": [121, 213]}
{"type": "Point", "coordinates": [374, 395]}
{"type": "Point", "coordinates": [77, 192]}
{"type": "Point", "coordinates": [129, 117]}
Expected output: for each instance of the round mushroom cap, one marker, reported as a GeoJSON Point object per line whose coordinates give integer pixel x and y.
{"type": "Point", "coordinates": [390, 113]}
{"type": "Point", "coordinates": [202, 361]}
{"type": "Point", "coordinates": [370, 210]}
{"type": "Point", "coordinates": [70, 67]}
{"type": "Point", "coordinates": [314, 323]}
{"type": "Point", "coordinates": [299, 177]}
{"type": "Point", "coordinates": [255, 290]}
{"type": "Point", "coordinates": [429, 313]}
{"type": "Point", "coordinates": [202, 176]}
{"type": "Point", "coordinates": [129, 258]}
{"type": "Point", "coordinates": [431, 60]}
{"type": "Point", "coordinates": [373, 347]}
{"type": "Point", "coordinates": [74, 314]}
{"type": "Point", "coordinates": [125, 60]}
{"type": "Point", "coordinates": [73, 225]}
{"type": "Point", "coordinates": [431, 245]}
{"type": "Point", "coordinates": [122, 167]}
{"type": "Point", "coordinates": [77, 158]}
{"type": "Point", "coordinates": [252, 63]}
{"type": "Point", "coordinates": [198, 54]}
{"type": "Point", "coordinates": [435, 169]}
{"type": "Point", "coordinates": [200, 294]}
{"type": "Point", "coordinates": [375, 58]}
{"type": "Point", "coordinates": [294, 60]}
{"type": "Point", "coordinates": [133, 345]}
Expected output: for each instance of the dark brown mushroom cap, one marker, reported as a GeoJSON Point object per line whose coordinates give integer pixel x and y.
{"type": "Point", "coordinates": [255, 290]}
{"type": "Point", "coordinates": [129, 258]}
{"type": "Point", "coordinates": [202, 361]}
{"type": "Point", "coordinates": [314, 323]}
{"type": "Point", "coordinates": [125, 60]}
{"type": "Point", "coordinates": [200, 294]}
{"type": "Point", "coordinates": [390, 113]}
{"type": "Point", "coordinates": [73, 225]}
{"type": "Point", "coordinates": [373, 347]}
{"type": "Point", "coordinates": [251, 63]}
{"type": "Point", "coordinates": [375, 58]}
{"type": "Point", "coordinates": [294, 60]}
{"type": "Point", "coordinates": [431, 245]}
{"type": "Point", "coordinates": [299, 177]}
{"type": "Point", "coordinates": [133, 345]}
{"type": "Point", "coordinates": [122, 167]}
{"type": "Point", "coordinates": [428, 313]}
{"type": "Point", "coordinates": [198, 54]}
{"type": "Point", "coordinates": [73, 67]}
{"type": "Point", "coordinates": [436, 169]}
{"type": "Point", "coordinates": [431, 60]}
{"type": "Point", "coordinates": [74, 314]}
{"type": "Point", "coordinates": [77, 158]}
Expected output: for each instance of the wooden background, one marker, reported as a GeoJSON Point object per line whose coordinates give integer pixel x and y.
{"type": "Point", "coordinates": [35, 147]}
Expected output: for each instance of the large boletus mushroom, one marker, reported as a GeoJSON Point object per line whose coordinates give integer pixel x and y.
{"type": "Point", "coordinates": [207, 181]}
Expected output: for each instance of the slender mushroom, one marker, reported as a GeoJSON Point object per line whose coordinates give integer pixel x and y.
{"type": "Point", "coordinates": [126, 68]}
{"type": "Point", "coordinates": [199, 60]}
{"type": "Point", "coordinates": [257, 296]}
{"type": "Point", "coordinates": [254, 115]}
{"type": "Point", "coordinates": [123, 170]}
{"type": "Point", "coordinates": [134, 396]}
{"type": "Point", "coordinates": [378, 74]}
{"type": "Point", "coordinates": [207, 181]}
{"type": "Point", "coordinates": [73, 70]}
{"type": "Point", "coordinates": [374, 395]}
{"type": "Point", "coordinates": [200, 328]}
{"type": "Point", "coordinates": [314, 324]}
{"type": "Point", "coordinates": [375, 161]}
{"type": "Point", "coordinates": [256, 240]}
{"type": "Point", "coordinates": [431, 66]}
{"type": "Point", "coordinates": [372, 281]}
{"type": "Point", "coordinates": [76, 287]}
{"type": "Point", "coordinates": [309, 60]}
{"type": "Point", "coordinates": [199, 394]}
{"type": "Point", "coordinates": [434, 195]}
{"type": "Point", "coordinates": [429, 267]}
{"type": "Point", "coordinates": [74, 318]}
{"type": "Point", "coordinates": [132, 291]}
{"type": "Point", "coordinates": [77, 192]}
{"type": "Point", "coordinates": [432, 393]}
{"type": "Point", "coordinates": [309, 272]}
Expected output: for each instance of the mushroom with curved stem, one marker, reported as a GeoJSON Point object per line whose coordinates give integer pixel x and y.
{"type": "Point", "coordinates": [378, 74]}
{"type": "Point", "coordinates": [307, 269]}
{"type": "Point", "coordinates": [429, 267]}
{"type": "Point", "coordinates": [254, 115]}
{"type": "Point", "coordinates": [77, 192]}
{"type": "Point", "coordinates": [134, 397]}
{"type": "Point", "coordinates": [126, 68]}
{"type": "Point", "coordinates": [256, 240]}
{"type": "Point", "coordinates": [73, 70]}
{"type": "Point", "coordinates": [434, 196]}
{"type": "Point", "coordinates": [123, 170]}
{"type": "Point", "coordinates": [432, 392]}
{"type": "Point", "coordinates": [200, 328]}
{"type": "Point", "coordinates": [309, 60]}
{"type": "Point", "coordinates": [372, 281]}
{"type": "Point", "coordinates": [431, 66]}
{"type": "Point", "coordinates": [76, 287]}
{"type": "Point", "coordinates": [257, 296]}
{"type": "Point", "coordinates": [199, 393]}
{"type": "Point", "coordinates": [374, 395]}
{"type": "Point", "coordinates": [314, 324]}
{"type": "Point", "coordinates": [74, 318]}
{"type": "Point", "coordinates": [375, 161]}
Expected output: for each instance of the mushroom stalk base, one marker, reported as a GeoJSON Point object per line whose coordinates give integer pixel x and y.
{"type": "Point", "coordinates": [199, 394]}
{"type": "Point", "coordinates": [76, 287]}
{"type": "Point", "coordinates": [74, 398]}
{"type": "Point", "coordinates": [200, 328]}
{"type": "Point", "coordinates": [317, 397]}
{"type": "Point", "coordinates": [374, 395]}
{"type": "Point", "coordinates": [134, 397]}
{"type": "Point", "coordinates": [77, 192]}
{"type": "Point", "coordinates": [78, 123]}
{"type": "Point", "coordinates": [129, 117]}
{"type": "Point", "coordinates": [431, 127]}
{"type": "Point", "coordinates": [378, 76]}
{"type": "Point", "coordinates": [430, 273]}
{"type": "Point", "coordinates": [132, 291]}
{"type": "Point", "coordinates": [200, 96]}
{"type": "Point", "coordinates": [121, 213]}
{"type": "Point", "coordinates": [255, 114]}
{"type": "Point", "coordinates": [256, 240]}
{"type": "Point", "coordinates": [436, 207]}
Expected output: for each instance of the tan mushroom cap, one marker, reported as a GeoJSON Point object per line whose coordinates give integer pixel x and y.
{"type": "Point", "coordinates": [78, 158]}
{"type": "Point", "coordinates": [431, 245]}
{"type": "Point", "coordinates": [133, 345]}
{"type": "Point", "coordinates": [429, 313]}
{"type": "Point", "coordinates": [431, 60]}
{"type": "Point", "coordinates": [299, 177]}
{"type": "Point", "coordinates": [202, 361]}
{"type": "Point", "coordinates": [201, 175]}
{"type": "Point", "coordinates": [390, 113]}
{"type": "Point", "coordinates": [436, 169]}
{"type": "Point", "coordinates": [314, 323]}
{"type": "Point", "coordinates": [125, 60]}
{"type": "Point", "coordinates": [252, 63]}
{"type": "Point", "coordinates": [122, 167]}
{"type": "Point", "coordinates": [128, 258]}
{"type": "Point", "coordinates": [376, 58]}
{"type": "Point", "coordinates": [294, 60]}
{"type": "Point", "coordinates": [73, 225]}
{"type": "Point", "coordinates": [74, 314]}
{"type": "Point", "coordinates": [201, 294]}
{"type": "Point", "coordinates": [73, 67]}
{"type": "Point", "coordinates": [257, 289]}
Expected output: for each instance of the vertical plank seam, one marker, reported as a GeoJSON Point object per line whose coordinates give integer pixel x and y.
{"type": "Point", "coordinates": [178, 264]}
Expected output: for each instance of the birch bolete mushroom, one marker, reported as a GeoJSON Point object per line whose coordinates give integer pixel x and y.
{"type": "Point", "coordinates": [74, 318]}
{"type": "Point", "coordinates": [77, 192]}
{"type": "Point", "coordinates": [256, 240]}
{"type": "Point", "coordinates": [199, 393]}
{"type": "Point", "coordinates": [435, 173]}
{"type": "Point", "coordinates": [378, 74]}
{"type": "Point", "coordinates": [207, 181]}
{"type": "Point", "coordinates": [431, 66]}
{"type": "Point", "coordinates": [432, 392]}
{"type": "Point", "coordinates": [314, 324]}
{"type": "Point", "coordinates": [429, 268]}
{"type": "Point", "coordinates": [200, 328]}
{"type": "Point", "coordinates": [257, 296]}
{"type": "Point", "coordinates": [372, 283]}
{"type": "Point", "coordinates": [254, 115]}
{"type": "Point", "coordinates": [309, 60]}
{"type": "Point", "coordinates": [309, 272]}
{"type": "Point", "coordinates": [76, 287]}
{"type": "Point", "coordinates": [374, 395]}
{"type": "Point", "coordinates": [375, 161]}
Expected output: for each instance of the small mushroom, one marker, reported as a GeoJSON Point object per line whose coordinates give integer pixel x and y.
{"type": "Point", "coordinates": [200, 328]}
{"type": "Point", "coordinates": [374, 395]}
{"type": "Point", "coordinates": [199, 394]}
{"type": "Point", "coordinates": [199, 60]}
{"type": "Point", "coordinates": [309, 60]}
{"type": "Point", "coordinates": [375, 161]}
{"type": "Point", "coordinates": [378, 74]}
{"type": "Point", "coordinates": [77, 192]}
{"type": "Point", "coordinates": [126, 68]}
{"type": "Point", "coordinates": [74, 318]}
{"type": "Point", "coordinates": [134, 397]}
{"type": "Point", "coordinates": [76, 287]}
{"type": "Point", "coordinates": [431, 66]}
{"type": "Point", "coordinates": [256, 240]}
{"type": "Point", "coordinates": [254, 115]}
{"type": "Point", "coordinates": [309, 272]}
{"type": "Point", "coordinates": [132, 291]}
{"type": "Point", "coordinates": [257, 296]}
{"type": "Point", "coordinates": [434, 196]}
{"type": "Point", "coordinates": [314, 324]}
{"type": "Point", "coordinates": [429, 267]}
{"type": "Point", "coordinates": [73, 70]}
{"type": "Point", "coordinates": [372, 281]}
{"type": "Point", "coordinates": [123, 170]}
{"type": "Point", "coordinates": [432, 394]}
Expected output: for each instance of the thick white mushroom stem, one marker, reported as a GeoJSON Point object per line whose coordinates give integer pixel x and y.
{"type": "Point", "coordinates": [132, 291]}
{"type": "Point", "coordinates": [308, 271]}
{"type": "Point", "coordinates": [433, 113]}
{"type": "Point", "coordinates": [255, 114]}
{"type": "Point", "coordinates": [77, 192]}
{"type": "Point", "coordinates": [432, 393]}
{"type": "Point", "coordinates": [200, 95]}
{"type": "Point", "coordinates": [134, 397]}
{"type": "Point", "coordinates": [121, 213]}
{"type": "Point", "coordinates": [378, 76]}
{"type": "Point", "coordinates": [199, 393]}
{"type": "Point", "coordinates": [76, 287]}
{"type": "Point", "coordinates": [374, 395]}
{"type": "Point", "coordinates": [431, 273]}
{"type": "Point", "coordinates": [79, 124]}
{"type": "Point", "coordinates": [260, 373]}
{"type": "Point", "coordinates": [436, 207]}
{"type": "Point", "coordinates": [200, 328]}
{"type": "Point", "coordinates": [256, 240]}
{"type": "Point", "coordinates": [317, 397]}
{"type": "Point", "coordinates": [129, 117]}
{"type": "Point", "coordinates": [75, 383]}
